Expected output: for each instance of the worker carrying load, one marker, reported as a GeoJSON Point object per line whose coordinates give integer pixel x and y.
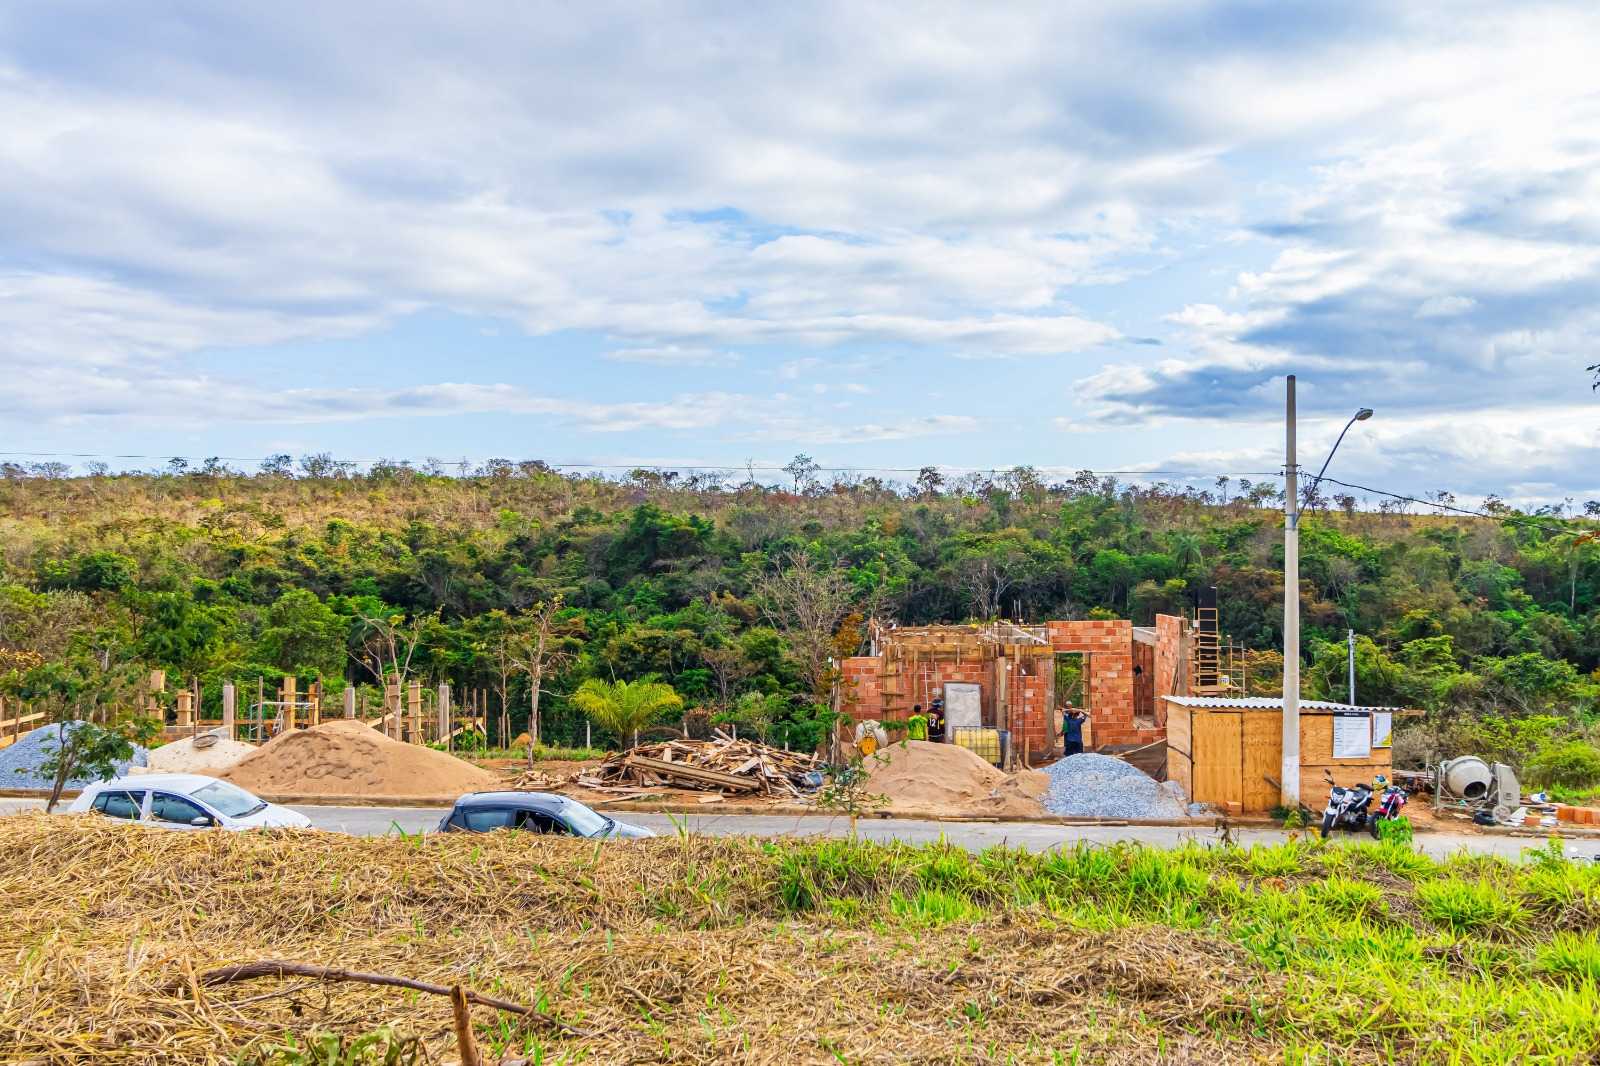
{"type": "Point", "coordinates": [1072, 719]}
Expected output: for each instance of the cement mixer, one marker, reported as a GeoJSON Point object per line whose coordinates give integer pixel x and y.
{"type": "Point", "coordinates": [1491, 786]}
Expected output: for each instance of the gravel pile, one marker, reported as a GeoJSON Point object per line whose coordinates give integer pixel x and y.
{"type": "Point", "coordinates": [1100, 786]}
{"type": "Point", "coordinates": [19, 762]}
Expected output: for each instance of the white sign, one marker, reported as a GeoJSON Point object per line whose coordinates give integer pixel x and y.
{"type": "Point", "coordinates": [1352, 735]}
{"type": "Point", "coordinates": [1382, 726]}
{"type": "Point", "coordinates": [963, 706]}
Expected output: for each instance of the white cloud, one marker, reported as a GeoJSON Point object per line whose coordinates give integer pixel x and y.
{"type": "Point", "coordinates": [674, 355]}
{"type": "Point", "coordinates": [1404, 196]}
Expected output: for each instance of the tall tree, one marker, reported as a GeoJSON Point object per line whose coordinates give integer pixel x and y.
{"type": "Point", "coordinates": [540, 645]}
{"type": "Point", "coordinates": [805, 602]}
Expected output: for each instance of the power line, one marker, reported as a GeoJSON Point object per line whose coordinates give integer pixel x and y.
{"type": "Point", "coordinates": [743, 465]}
{"type": "Point", "coordinates": [1447, 507]}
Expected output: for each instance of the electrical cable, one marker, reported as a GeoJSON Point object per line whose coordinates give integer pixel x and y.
{"type": "Point", "coordinates": [1189, 474]}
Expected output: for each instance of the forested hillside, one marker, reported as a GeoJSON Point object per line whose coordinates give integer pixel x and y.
{"type": "Point", "coordinates": [221, 576]}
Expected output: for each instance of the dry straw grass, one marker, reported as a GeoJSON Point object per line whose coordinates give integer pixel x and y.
{"type": "Point", "coordinates": [662, 951]}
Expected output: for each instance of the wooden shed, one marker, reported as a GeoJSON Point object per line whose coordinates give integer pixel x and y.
{"type": "Point", "coordinates": [1223, 750]}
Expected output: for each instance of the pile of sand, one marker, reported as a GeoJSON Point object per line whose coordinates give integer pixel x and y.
{"type": "Point", "coordinates": [350, 758]}
{"type": "Point", "coordinates": [923, 777]}
{"type": "Point", "coordinates": [184, 757]}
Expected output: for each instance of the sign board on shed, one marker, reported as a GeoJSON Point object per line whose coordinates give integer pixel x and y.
{"type": "Point", "coordinates": [1352, 735]}
{"type": "Point", "coordinates": [963, 705]}
{"type": "Point", "coordinates": [1382, 727]}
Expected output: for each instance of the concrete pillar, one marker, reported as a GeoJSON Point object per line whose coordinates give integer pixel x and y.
{"type": "Point", "coordinates": [315, 696]}
{"type": "Point", "coordinates": [414, 710]}
{"type": "Point", "coordinates": [349, 701]}
{"type": "Point", "coordinates": [185, 709]}
{"type": "Point", "coordinates": [229, 709]}
{"type": "Point", "coordinates": [391, 709]}
{"type": "Point", "coordinates": [444, 710]}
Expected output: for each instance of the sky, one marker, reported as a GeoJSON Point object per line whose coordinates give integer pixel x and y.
{"type": "Point", "coordinates": [1088, 235]}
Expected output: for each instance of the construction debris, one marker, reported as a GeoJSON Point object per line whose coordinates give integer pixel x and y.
{"type": "Point", "coordinates": [719, 765]}
{"type": "Point", "coordinates": [539, 781]}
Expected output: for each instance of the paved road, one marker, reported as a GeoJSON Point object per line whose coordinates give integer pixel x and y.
{"type": "Point", "coordinates": [1035, 836]}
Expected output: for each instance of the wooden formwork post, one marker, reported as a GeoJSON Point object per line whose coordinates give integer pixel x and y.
{"type": "Point", "coordinates": [289, 695]}
{"type": "Point", "coordinates": [391, 709]}
{"type": "Point", "coordinates": [315, 696]}
{"type": "Point", "coordinates": [185, 708]}
{"type": "Point", "coordinates": [349, 701]}
{"type": "Point", "coordinates": [414, 710]}
{"type": "Point", "coordinates": [444, 714]}
{"type": "Point", "coordinates": [229, 709]}
{"type": "Point", "coordinates": [158, 685]}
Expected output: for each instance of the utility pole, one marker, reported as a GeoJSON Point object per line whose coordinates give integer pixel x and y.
{"type": "Point", "coordinates": [1291, 612]}
{"type": "Point", "coordinates": [1351, 637]}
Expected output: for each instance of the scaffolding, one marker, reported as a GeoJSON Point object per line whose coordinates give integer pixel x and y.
{"type": "Point", "coordinates": [1217, 667]}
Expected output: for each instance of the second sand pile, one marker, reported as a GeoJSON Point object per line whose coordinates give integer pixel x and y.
{"type": "Point", "coordinates": [943, 779]}
{"type": "Point", "coordinates": [350, 758]}
{"type": "Point", "coordinates": [188, 757]}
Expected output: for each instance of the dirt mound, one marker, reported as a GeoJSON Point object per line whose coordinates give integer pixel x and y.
{"type": "Point", "coordinates": [925, 777]}
{"type": "Point", "coordinates": [349, 758]}
{"type": "Point", "coordinates": [184, 757]}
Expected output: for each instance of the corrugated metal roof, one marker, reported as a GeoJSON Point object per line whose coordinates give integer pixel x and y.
{"type": "Point", "coordinates": [1267, 703]}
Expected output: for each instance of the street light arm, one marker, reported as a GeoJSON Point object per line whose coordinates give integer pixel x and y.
{"type": "Point", "coordinates": [1360, 416]}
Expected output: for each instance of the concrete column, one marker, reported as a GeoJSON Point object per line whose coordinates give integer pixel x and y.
{"type": "Point", "coordinates": [391, 709]}
{"type": "Point", "coordinates": [290, 695]}
{"type": "Point", "coordinates": [414, 710]}
{"type": "Point", "coordinates": [315, 696]}
{"type": "Point", "coordinates": [444, 710]}
{"type": "Point", "coordinates": [229, 709]}
{"type": "Point", "coordinates": [185, 709]}
{"type": "Point", "coordinates": [349, 701]}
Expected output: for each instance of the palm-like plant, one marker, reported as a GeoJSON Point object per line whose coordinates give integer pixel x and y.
{"type": "Point", "coordinates": [1187, 549]}
{"type": "Point", "coordinates": [622, 708]}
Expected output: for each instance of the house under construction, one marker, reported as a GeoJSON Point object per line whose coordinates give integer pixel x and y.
{"type": "Point", "coordinates": [1003, 676]}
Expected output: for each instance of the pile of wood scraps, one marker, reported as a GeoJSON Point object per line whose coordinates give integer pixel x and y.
{"type": "Point", "coordinates": [539, 781]}
{"type": "Point", "coordinates": [719, 765]}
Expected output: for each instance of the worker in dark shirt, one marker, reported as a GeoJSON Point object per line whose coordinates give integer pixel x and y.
{"type": "Point", "coordinates": [936, 720]}
{"type": "Point", "coordinates": [1072, 731]}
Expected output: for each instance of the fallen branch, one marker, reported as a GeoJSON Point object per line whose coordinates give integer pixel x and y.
{"type": "Point", "coordinates": [250, 971]}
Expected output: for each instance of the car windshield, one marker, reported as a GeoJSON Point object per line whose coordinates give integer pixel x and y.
{"type": "Point", "coordinates": [582, 820]}
{"type": "Point", "coordinates": [227, 799]}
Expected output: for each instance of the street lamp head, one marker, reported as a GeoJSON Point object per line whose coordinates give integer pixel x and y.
{"type": "Point", "coordinates": [1363, 414]}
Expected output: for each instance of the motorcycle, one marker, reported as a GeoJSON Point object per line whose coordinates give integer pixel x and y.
{"type": "Point", "coordinates": [1389, 804]}
{"type": "Point", "coordinates": [1349, 807]}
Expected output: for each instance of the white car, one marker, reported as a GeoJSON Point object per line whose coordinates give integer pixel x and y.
{"type": "Point", "coordinates": [184, 801]}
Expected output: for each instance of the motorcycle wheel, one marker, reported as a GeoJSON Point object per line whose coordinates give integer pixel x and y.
{"type": "Point", "coordinates": [1372, 827]}
{"type": "Point", "coordinates": [1327, 825]}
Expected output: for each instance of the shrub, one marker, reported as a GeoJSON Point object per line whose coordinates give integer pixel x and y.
{"type": "Point", "coordinates": [1571, 956]}
{"type": "Point", "coordinates": [1468, 907]}
{"type": "Point", "coordinates": [1565, 764]}
{"type": "Point", "coordinates": [1395, 830]}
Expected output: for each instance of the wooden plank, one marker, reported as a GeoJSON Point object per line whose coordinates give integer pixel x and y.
{"type": "Point", "coordinates": [695, 773]}
{"type": "Point", "coordinates": [1218, 758]}
{"type": "Point", "coordinates": [1179, 735]}
{"type": "Point", "coordinates": [1263, 758]}
{"type": "Point", "coordinates": [1181, 770]}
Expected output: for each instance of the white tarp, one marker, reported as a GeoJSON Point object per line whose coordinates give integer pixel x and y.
{"type": "Point", "coordinates": [1352, 735]}
{"type": "Point", "coordinates": [963, 706]}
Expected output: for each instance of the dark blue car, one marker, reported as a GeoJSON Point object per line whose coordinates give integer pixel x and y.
{"type": "Point", "coordinates": [537, 812]}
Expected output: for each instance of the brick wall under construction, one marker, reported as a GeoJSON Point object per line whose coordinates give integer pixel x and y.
{"type": "Point", "coordinates": [1016, 677]}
